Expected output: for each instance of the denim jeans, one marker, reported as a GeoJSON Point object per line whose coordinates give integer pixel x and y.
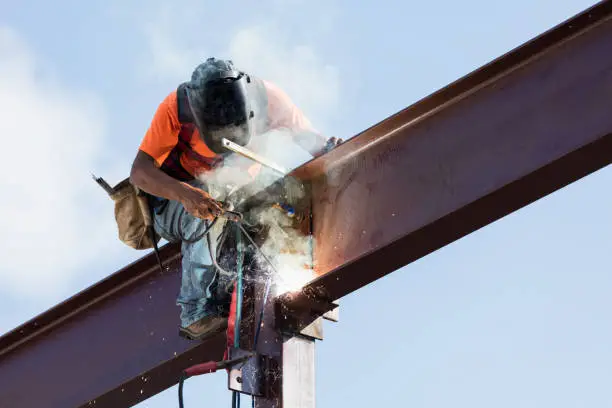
{"type": "Point", "coordinates": [174, 224]}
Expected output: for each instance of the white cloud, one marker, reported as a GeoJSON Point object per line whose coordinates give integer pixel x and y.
{"type": "Point", "coordinates": [165, 59]}
{"type": "Point", "coordinates": [53, 218]}
{"type": "Point", "coordinates": [266, 51]}
{"type": "Point", "coordinates": [264, 47]}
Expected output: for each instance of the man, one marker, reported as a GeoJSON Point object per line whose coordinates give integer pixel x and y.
{"type": "Point", "coordinates": [183, 143]}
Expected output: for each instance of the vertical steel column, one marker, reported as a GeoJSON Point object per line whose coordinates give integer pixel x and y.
{"type": "Point", "coordinates": [292, 368]}
{"type": "Point", "coordinates": [298, 372]}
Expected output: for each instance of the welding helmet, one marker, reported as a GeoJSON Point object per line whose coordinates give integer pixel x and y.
{"type": "Point", "coordinates": [219, 102]}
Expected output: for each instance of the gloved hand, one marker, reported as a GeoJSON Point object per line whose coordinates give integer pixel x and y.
{"type": "Point", "coordinates": [329, 145]}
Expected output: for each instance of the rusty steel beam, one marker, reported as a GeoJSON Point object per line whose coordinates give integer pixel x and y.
{"type": "Point", "coordinates": [115, 344]}
{"type": "Point", "coordinates": [521, 127]}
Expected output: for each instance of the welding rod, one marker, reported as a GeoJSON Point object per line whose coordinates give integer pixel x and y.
{"type": "Point", "coordinates": [228, 144]}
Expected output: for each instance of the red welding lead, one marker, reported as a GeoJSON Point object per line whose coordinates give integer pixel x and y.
{"type": "Point", "coordinates": [212, 366]}
{"type": "Point", "coordinates": [204, 368]}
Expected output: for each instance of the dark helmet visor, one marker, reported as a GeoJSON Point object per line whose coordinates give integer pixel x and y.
{"type": "Point", "coordinates": [222, 110]}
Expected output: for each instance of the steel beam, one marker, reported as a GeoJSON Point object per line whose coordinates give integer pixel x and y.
{"type": "Point", "coordinates": [512, 132]}
{"type": "Point", "coordinates": [519, 128]}
{"type": "Point", "coordinates": [112, 345]}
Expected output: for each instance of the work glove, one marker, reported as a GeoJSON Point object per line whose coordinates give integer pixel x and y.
{"type": "Point", "coordinates": [331, 143]}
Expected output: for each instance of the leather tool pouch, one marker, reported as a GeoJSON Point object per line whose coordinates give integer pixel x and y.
{"type": "Point", "coordinates": [132, 214]}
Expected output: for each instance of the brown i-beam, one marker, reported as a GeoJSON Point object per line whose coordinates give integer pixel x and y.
{"type": "Point", "coordinates": [517, 129]}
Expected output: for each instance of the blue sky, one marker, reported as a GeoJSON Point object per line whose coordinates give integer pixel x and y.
{"type": "Point", "coordinates": [512, 315]}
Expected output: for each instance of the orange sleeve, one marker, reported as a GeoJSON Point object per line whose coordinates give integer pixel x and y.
{"type": "Point", "coordinates": [283, 113]}
{"type": "Point", "coordinates": [162, 135]}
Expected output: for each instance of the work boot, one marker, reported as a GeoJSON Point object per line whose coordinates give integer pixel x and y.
{"type": "Point", "coordinates": [204, 328]}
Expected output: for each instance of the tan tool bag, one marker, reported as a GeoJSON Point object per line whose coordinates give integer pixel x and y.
{"type": "Point", "coordinates": [132, 213]}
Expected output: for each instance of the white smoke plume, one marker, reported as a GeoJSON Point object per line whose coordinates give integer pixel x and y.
{"type": "Point", "coordinates": [286, 247]}
{"type": "Point", "coordinates": [291, 251]}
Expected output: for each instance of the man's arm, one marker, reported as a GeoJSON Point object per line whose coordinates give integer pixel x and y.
{"type": "Point", "coordinates": [160, 139]}
{"type": "Point", "coordinates": [285, 114]}
{"type": "Point", "coordinates": [311, 141]}
{"type": "Point", "coordinates": [149, 178]}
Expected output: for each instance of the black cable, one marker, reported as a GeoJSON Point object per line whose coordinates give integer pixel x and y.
{"type": "Point", "coordinates": [213, 254]}
{"type": "Point", "coordinates": [180, 389]}
{"type": "Point", "coordinates": [267, 287]}
{"type": "Point", "coordinates": [256, 247]}
{"type": "Point", "coordinates": [193, 241]}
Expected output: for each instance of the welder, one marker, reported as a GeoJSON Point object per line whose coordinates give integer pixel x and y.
{"type": "Point", "coordinates": [182, 144]}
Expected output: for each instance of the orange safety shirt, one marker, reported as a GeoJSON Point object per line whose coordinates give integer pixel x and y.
{"type": "Point", "coordinates": [163, 133]}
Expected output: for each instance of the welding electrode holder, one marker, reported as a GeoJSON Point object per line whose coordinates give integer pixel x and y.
{"type": "Point", "coordinates": [231, 216]}
{"type": "Point", "coordinates": [228, 213]}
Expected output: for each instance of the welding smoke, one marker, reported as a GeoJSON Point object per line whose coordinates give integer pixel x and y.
{"type": "Point", "coordinates": [286, 247]}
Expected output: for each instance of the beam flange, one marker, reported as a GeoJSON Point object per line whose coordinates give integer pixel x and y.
{"type": "Point", "coordinates": [538, 119]}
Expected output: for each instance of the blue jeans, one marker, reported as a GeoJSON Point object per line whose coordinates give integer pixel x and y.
{"type": "Point", "coordinates": [196, 295]}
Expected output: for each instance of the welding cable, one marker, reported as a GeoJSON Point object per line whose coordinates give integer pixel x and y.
{"type": "Point", "coordinates": [199, 369]}
{"type": "Point", "coordinates": [184, 376]}
{"type": "Point", "coordinates": [239, 290]}
{"type": "Point", "coordinates": [211, 366]}
{"type": "Point", "coordinates": [268, 282]}
{"type": "Point", "coordinates": [202, 235]}
{"type": "Point", "coordinates": [239, 298]}
{"type": "Point", "coordinates": [267, 288]}
{"type": "Point", "coordinates": [213, 256]}
{"type": "Point", "coordinates": [208, 367]}
{"type": "Point", "coordinates": [257, 247]}
{"type": "Point", "coordinates": [236, 394]}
